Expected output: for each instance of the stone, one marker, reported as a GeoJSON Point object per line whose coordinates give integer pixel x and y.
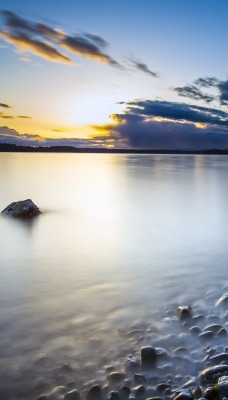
{"type": "Point", "coordinates": [72, 395]}
{"type": "Point", "coordinates": [21, 209]}
{"type": "Point", "coordinates": [213, 328]}
{"type": "Point", "coordinates": [94, 392]}
{"type": "Point", "coordinates": [184, 312]}
{"type": "Point", "coordinates": [116, 376]}
{"type": "Point", "coordinates": [148, 356]}
{"type": "Point", "coordinates": [183, 395]}
{"type": "Point", "coordinates": [207, 335]}
{"type": "Point", "coordinates": [212, 374]}
{"type": "Point", "coordinates": [114, 395]}
{"type": "Point", "coordinates": [195, 330]}
{"type": "Point", "coordinates": [223, 300]}
{"type": "Point", "coordinates": [219, 358]}
{"type": "Point", "coordinates": [197, 392]}
{"type": "Point", "coordinates": [57, 392]}
{"type": "Point", "coordinates": [210, 393]}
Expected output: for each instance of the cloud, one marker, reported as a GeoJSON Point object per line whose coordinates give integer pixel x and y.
{"type": "Point", "coordinates": [11, 136]}
{"type": "Point", "coordinates": [24, 117]}
{"type": "Point", "coordinates": [33, 36]}
{"type": "Point", "coordinates": [22, 40]}
{"type": "Point", "coordinates": [138, 64]}
{"type": "Point", "coordinates": [5, 105]}
{"type": "Point", "coordinates": [86, 47]}
{"type": "Point", "coordinates": [194, 93]}
{"type": "Point", "coordinates": [165, 125]}
{"type": "Point", "coordinates": [7, 116]}
{"type": "Point", "coordinates": [223, 88]}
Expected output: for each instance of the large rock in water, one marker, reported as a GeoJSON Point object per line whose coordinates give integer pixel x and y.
{"type": "Point", "coordinates": [22, 209]}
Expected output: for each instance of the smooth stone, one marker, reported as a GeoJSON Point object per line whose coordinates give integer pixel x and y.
{"type": "Point", "coordinates": [184, 312]}
{"type": "Point", "coordinates": [222, 332]}
{"type": "Point", "coordinates": [195, 330]}
{"type": "Point", "coordinates": [114, 395]}
{"type": "Point", "coordinates": [197, 318]}
{"type": "Point", "coordinates": [56, 393]}
{"type": "Point", "coordinates": [95, 392]}
{"type": "Point", "coordinates": [139, 390]}
{"type": "Point", "coordinates": [21, 209]}
{"type": "Point", "coordinates": [116, 376]}
{"type": "Point", "coordinates": [132, 363]}
{"type": "Point", "coordinates": [213, 328]}
{"type": "Point", "coordinates": [72, 395]}
{"type": "Point", "coordinates": [197, 392]}
{"type": "Point", "coordinates": [213, 373]}
{"type": "Point", "coordinates": [223, 300]}
{"type": "Point", "coordinates": [180, 350]}
{"type": "Point", "coordinates": [162, 354]}
{"type": "Point", "coordinates": [161, 387]}
{"type": "Point", "coordinates": [182, 395]}
{"type": "Point", "coordinates": [125, 391]}
{"type": "Point", "coordinates": [210, 393]}
{"type": "Point", "coordinates": [42, 397]}
{"type": "Point", "coordinates": [219, 358]}
{"type": "Point", "coordinates": [208, 335]}
{"type": "Point", "coordinates": [223, 388]}
{"type": "Point", "coordinates": [148, 356]}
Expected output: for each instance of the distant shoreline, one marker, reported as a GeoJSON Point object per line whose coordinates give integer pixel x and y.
{"type": "Point", "coordinates": [5, 148]}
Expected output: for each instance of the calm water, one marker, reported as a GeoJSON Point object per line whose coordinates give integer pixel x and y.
{"type": "Point", "coordinates": [120, 238]}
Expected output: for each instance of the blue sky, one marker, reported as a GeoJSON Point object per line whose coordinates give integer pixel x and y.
{"type": "Point", "coordinates": [140, 74]}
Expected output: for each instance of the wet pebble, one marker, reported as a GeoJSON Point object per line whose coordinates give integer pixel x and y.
{"type": "Point", "coordinates": [223, 300]}
{"type": "Point", "coordinates": [72, 395]}
{"type": "Point", "coordinates": [211, 375]}
{"type": "Point", "coordinates": [148, 357]}
{"type": "Point", "coordinates": [184, 312]}
{"type": "Point", "coordinates": [114, 395]}
{"type": "Point", "coordinates": [205, 336]}
{"type": "Point", "coordinates": [94, 393]}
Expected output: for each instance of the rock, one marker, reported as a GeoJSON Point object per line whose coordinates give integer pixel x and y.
{"type": "Point", "coordinates": [213, 328]}
{"type": "Point", "coordinates": [116, 376]}
{"type": "Point", "coordinates": [184, 312]}
{"type": "Point", "coordinates": [161, 387]}
{"type": "Point", "coordinates": [148, 356]}
{"type": "Point", "coordinates": [94, 393]}
{"type": "Point", "coordinates": [219, 358]}
{"type": "Point", "coordinates": [210, 393]}
{"type": "Point", "coordinates": [114, 395]}
{"type": "Point", "coordinates": [223, 387]}
{"type": "Point", "coordinates": [223, 300]}
{"type": "Point", "coordinates": [139, 378]}
{"type": "Point", "coordinates": [195, 330]}
{"type": "Point", "coordinates": [56, 393]}
{"type": "Point", "coordinates": [213, 373]}
{"type": "Point", "coordinates": [207, 335]}
{"type": "Point", "coordinates": [22, 209]}
{"type": "Point", "coordinates": [197, 392]}
{"type": "Point", "coordinates": [72, 395]}
{"type": "Point", "coordinates": [183, 395]}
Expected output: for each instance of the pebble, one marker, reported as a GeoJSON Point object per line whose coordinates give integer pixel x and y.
{"type": "Point", "coordinates": [223, 300]}
{"type": "Point", "coordinates": [207, 335]}
{"type": "Point", "coordinates": [148, 357]}
{"type": "Point", "coordinates": [212, 374]}
{"type": "Point", "coordinates": [184, 312]}
{"type": "Point", "coordinates": [72, 395]}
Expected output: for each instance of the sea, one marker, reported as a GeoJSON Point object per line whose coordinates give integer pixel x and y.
{"type": "Point", "coordinates": [123, 239]}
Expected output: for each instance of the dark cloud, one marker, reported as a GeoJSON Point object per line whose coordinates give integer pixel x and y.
{"type": "Point", "coordinates": [7, 116]}
{"type": "Point", "coordinates": [194, 93]}
{"type": "Point", "coordinates": [96, 39]}
{"type": "Point", "coordinates": [206, 82]}
{"type": "Point", "coordinates": [165, 125]}
{"type": "Point", "coordinates": [11, 136]}
{"type": "Point", "coordinates": [32, 35]}
{"type": "Point", "coordinates": [138, 64]}
{"type": "Point", "coordinates": [24, 117]}
{"type": "Point", "coordinates": [5, 105]}
{"type": "Point", "coordinates": [37, 47]}
{"type": "Point", "coordinates": [223, 88]}
{"type": "Point", "coordinates": [177, 112]}
{"type": "Point", "coordinates": [86, 47]}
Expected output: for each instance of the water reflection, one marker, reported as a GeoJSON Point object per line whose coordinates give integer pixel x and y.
{"type": "Point", "coordinates": [121, 237]}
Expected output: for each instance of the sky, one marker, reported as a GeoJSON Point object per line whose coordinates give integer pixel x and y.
{"type": "Point", "coordinates": [142, 74]}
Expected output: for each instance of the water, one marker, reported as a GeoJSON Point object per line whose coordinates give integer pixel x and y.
{"type": "Point", "coordinates": [121, 238]}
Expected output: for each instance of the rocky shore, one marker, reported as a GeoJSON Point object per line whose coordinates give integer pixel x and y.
{"type": "Point", "coordinates": [188, 360]}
